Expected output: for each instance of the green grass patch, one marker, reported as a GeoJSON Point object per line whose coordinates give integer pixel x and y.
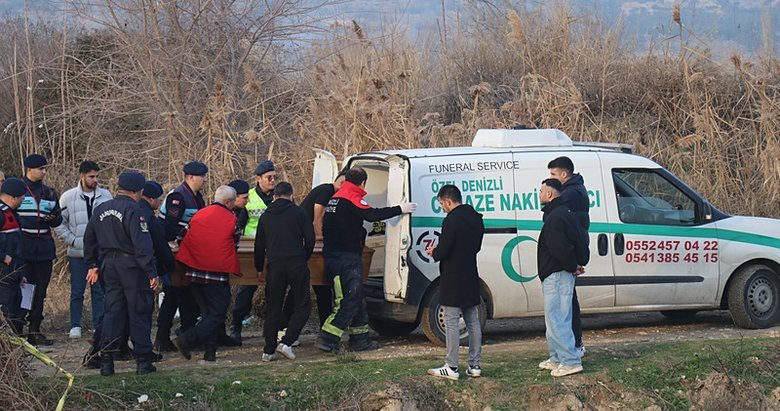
{"type": "Point", "coordinates": [661, 374]}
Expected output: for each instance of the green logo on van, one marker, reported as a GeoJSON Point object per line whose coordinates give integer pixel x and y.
{"type": "Point", "coordinates": [506, 259]}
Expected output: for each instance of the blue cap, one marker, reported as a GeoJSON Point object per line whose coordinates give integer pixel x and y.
{"type": "Point", "coordinates": [195, 168]}
{"type": "Point", "coordinates": [14, 187]}
{"type": "Point", "coordinates": [264, 167]}
{"type": "Point", "coordinates": [241, 186]}
{"type": "Point", "coordinates": [131, 181]}
{"type": "Point", "coordinates": [152, 189]}
{"type": "Point", "coordinates": [35, 161]}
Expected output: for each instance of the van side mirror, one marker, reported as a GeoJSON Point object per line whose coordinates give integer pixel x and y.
{"type": "Point", "coordinates": [707, 212]}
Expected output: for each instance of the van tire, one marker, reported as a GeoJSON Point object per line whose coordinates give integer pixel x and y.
{"type": "Point", "coordinates": [754, 297]}
{"type": "Point", "coordinates": [432, 319]}
{"type": "Point", "coordinates": [390, 328]}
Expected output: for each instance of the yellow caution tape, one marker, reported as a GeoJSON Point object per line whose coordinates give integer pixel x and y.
{"type": "Point", "coordinates": [46, 360]}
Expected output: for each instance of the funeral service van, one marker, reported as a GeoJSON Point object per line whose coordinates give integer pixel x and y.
{"type": "Point", "coordinates": [655, 243]}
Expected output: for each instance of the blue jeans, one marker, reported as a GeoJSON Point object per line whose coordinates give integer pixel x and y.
{"type": "Point", "coordinates": [558, 289]}
{"type": "Point", "coordinates": [78, 283]}
{"type": "Point", "coordinates": [451, 322]}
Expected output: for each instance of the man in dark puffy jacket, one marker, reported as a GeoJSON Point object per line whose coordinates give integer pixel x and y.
{"type": "Point", "coordinates": [456, 252]}
{"type": "Point", "coordinates": [575, 195]}
{"type": "Point", "coordinates": [562, 254]}
{"type": "Point", "coordinates": [286, 237]}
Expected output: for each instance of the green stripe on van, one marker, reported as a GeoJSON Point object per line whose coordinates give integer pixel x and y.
{"type": "Point", "coordinates": [643, 229]}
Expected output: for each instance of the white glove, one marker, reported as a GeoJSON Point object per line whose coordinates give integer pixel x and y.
{"type": "Point", "coordinates": [407, 208]}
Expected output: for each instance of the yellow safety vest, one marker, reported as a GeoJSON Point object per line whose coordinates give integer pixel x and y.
{"type": "Point", "coordinates": [255, 208]}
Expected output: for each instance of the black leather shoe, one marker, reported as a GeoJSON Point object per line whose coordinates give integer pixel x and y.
{"type": "Point", "coordinates": [210, 355]}
{"type": "Point", "coordinates": [144, 364]}
{"type": "Point", "coordinates": [184, 349]}
{"type": "Point", "coordinates": [106, 364]}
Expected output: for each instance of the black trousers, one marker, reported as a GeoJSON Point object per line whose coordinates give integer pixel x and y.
{"type": "Point", "coordinates": [349, 314]}
{"type": "Point", "coordinates": [324, 294]}
{"type": "Point", "coordinates": [128, 298]}
{"type": "Point", "coordinates": [292, 274]}
{"type": "Point", "coordinates": [38, 273]}
{"type": "Point", "coordinates": [180, 298]}
{"type": "Point", "coordinates": [11, 296]}
{"type": "Point", "coordinates": [576, 321]}
{"type": "Point", "coordinates": [213, 300]}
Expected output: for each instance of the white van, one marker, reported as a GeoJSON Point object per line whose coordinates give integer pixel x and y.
{"type": "Point", "coordinates": [655, 243]}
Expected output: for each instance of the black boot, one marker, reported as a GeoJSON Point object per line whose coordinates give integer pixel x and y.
{"type": "Point", "coordinates": [92, 358]}
{"type": "Point", "coordinates": [235, 332]}
{"type": "Point", "coordinates": [183, 346]}
{"type": "Point", "coordinates": [162, 342]}
{"type": "Point", "coordinates": [227, 341]}
{"type": "Point", "coordinates": [210, 355]}
{"type": "Point", "coordinates": [329, 343]}
{"type": "Point", "coordinates": [144, 364]}
{"type": "Point", "coordinates": [36, 337]}
{"type": "Point", "coordinates": [362, 342]}
{"type": "Point", "coordinates": [107, 363]}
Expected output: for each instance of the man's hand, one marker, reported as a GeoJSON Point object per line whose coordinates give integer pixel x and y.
{"type": "Point", "coordinates": [407, 208]}
{"type": "Point", "coordinates": [260, 277]}
{"type": "Point", "coordinates": [153, 283]}
{"type": "Point", "coordinates": [579, 271]}
{"type": "Point", "coordinates": [7, 260]}
{"type": "Point", "coordinates": [23, 281]}
{"type": "Point", "coordinates": [92, 275]}
{"type": "Point", "coordinates": [429, 250]}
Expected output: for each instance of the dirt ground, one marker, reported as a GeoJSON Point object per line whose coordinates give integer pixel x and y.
{"type": "Point", "coordinates": [601, 332]}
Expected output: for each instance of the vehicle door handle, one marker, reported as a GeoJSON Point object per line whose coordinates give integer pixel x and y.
{"type": "Point", "coordinates": [603, 244]}
{"type": "Point", "coordinates": [620, 244]}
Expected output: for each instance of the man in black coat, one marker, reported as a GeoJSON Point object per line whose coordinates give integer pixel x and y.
{"type": "Point", "coordinates": [575, 195]}
{"type": "Point", "coordinates": [286, 236]}
{"type": "Point", "coordinates": [459, 286]}
{"type": "Point", "coordinates": [562, 254]}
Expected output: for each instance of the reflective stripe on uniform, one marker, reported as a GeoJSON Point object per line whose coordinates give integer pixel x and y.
{"type": "Point", "coordinates": [328, 327]}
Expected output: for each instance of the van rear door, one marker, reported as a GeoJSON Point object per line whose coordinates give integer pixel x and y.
{"type": "Point", "coordinates": [325, 168]}
{"type": "Point", "coordinates": [397, 231]}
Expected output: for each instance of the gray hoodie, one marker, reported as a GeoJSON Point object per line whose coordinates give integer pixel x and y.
{"type": "Point", "coordinates": [75, 218]}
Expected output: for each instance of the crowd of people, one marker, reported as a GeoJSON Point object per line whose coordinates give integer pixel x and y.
{"type": "Point", "coordinates": [121, 248]}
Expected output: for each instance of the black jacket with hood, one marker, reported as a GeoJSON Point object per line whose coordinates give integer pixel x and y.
{"type": "Point", "coordinates": [459, 243]}
{"type": "Point", "coordinates": [562, 242]}
{"type": "Point", "coordinates": [284, 232]}
{"type": "Point", "coordinates": [575, 195]}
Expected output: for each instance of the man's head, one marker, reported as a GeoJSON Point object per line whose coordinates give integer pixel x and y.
{"type": "Point", "coordinates": [89, 171]}
{"type": "Point", "coordinates": [449, 197]}
{"type": "Point", "coordinates": [12, 192]}
{"type": "Point", "coordinates": [153, 194]}
{"type": "Point", "coordinates": [357, 176]}
{"type": "Point", "coordinates": [195, 175]}
{"type": "Point", "coordinates": [561, 169]}
{"type": "Point", "coordinates": [242, 193]}
{"type": "Point", "coordinates": [35, 167]}
{"type": "Point", "coordinates": [283, 190]}
{"type": "Point", "coordinates": [550, 190]}
{"type": "Point", "coordinates": [225, 195]}
{"type": "Point", "coordinates": [131, 184]}
{"type": "Point", "coordinates": [339, 179]}
{"type": "Point", "coordinates": [265, 175]}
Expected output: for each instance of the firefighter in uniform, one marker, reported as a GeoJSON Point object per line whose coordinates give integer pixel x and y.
{"type": "Point", "coordinates": [177, 210]}
{"type": "Point", "coordinates": [119, 232]}
{"type": "Point", "coordinates": [38, 214]}
{"type": "Point", "coordinates": [344, 237]}
{"type": "Point", "coordinates": [11, 195]}
{"type": "Point", "coordinates": [260, 196]}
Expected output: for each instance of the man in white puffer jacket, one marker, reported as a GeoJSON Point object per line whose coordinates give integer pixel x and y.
{"type": "Point", "coordinates": [77, 205]}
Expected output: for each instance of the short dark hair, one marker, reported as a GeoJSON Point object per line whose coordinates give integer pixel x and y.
{"type": "Point", "coordinates": [553, 183]}
{"type": "Point", "coordinates": [356, 175]}
{"type": "Point", "coordinates": [283, 189]}
{"type": "Point", "coordinates": [563, 163]}
{"type": "Point", "coordinates": [450, 192]}
{"type": "Point", "coordinates": [87, 166]}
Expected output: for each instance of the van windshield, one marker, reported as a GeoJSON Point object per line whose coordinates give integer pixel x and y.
{"type": "Point", "coordinates": [647, 197]}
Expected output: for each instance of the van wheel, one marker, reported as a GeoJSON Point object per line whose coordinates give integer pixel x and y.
{"type": "Point", "coordinates": [679, 314]}
{"type": "Point", "coordinates": [432, 321]}
{"type": "Point", "coordinates": [390, 328]}
{"type": "Point", "coordinates": [754, 297]}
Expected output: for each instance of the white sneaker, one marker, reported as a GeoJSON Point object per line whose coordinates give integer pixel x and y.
{"type": "Point", "coordinates": [564, 370]}
{"type": "Point", "coordinates": [285, 350]}
{"type": "Point", "coordinates": [474, 372]}
{"type": "Point", "coordinates": [75, 332]}
{"type": "Point", "coordinates": [548, 364]}
{"type": "Point", "coordinates": [268, 357]}
{"type": "Point", "coordinates": [580, 351]}
{"type": "Point", "coordinates": [280, 335]}
{"type": "Point", "coordinates": [444, 372]}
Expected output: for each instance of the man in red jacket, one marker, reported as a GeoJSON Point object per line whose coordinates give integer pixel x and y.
{"type": "Point", "coordinates": [209, 252]}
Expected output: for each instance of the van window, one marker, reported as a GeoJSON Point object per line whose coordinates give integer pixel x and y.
{"type": "Point", "coordinates": [645, 197]}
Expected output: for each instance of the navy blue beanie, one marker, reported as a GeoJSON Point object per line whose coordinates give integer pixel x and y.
{"type": "Point", "coordinates": [132, 181]}
{"type": "Point", "coordinates": [264, 167]}
{"type": "Point", "coordinates": [152, 189]}
{"type": "Point", "coordinates": [241, 186]}
{"type": "Point", "coordinates": [14, 187]}
{"type": "Point", "coordinates": [35, 161]}
{"type": "Point", "coordinates": [195, 168]}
